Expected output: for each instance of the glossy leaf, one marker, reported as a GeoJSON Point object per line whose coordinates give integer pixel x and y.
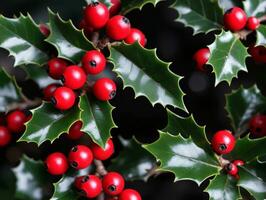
{"type": "Point", "coordinates": [133, 162]}
{"type": "Point", "coordinates": [227, 4]}
{"type": "Point", "coordinates": [223, 187]}
{"type": "Point", "coordinates": [228, 57]}
{"type": "Point", "coordinates": [201, 15]}
{"type": "Point", "coordinates": [108, 3]}
{"type": "Point", "coordinates": [128, 5]}
{"type": "Point", "coordinates": [23, 39]}
{"type": "Point", "coordinates": [142, 70]}
{"type": "Point", "coordinates": [261, 35]}
{"type": "Point", "coordinates": [242, 104]}
{"type": "Point", "coordinates": [255, 7]}
{"type": "Point", "coordinates": [49, 123]}
{"type": "Point", "coordinates": [97, 119]}
{"type": "Point", "coordinates": [9, 92]}
{"type": "Point", "coordinates": [183, 157]}
{"type": "Point", "coordinates": [31, 177]}
{"type": "Point", "coordinates": [70, 42]}
{"type": "Point", "coordinates": [253, 179]}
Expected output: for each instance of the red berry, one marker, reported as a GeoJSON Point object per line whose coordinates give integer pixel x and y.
{"type": "Point", "coordinates": [258, 53]}
{"type": "Point", "coordinates": [129, 194]}
{"type": "Point", "coordinates": [113, 183]}
{"type": "Point", "coordinates": [90, 186]}
{"type": "Point", "coordinates": [74, 132]}
{"type": "Point", "coordinates": [74, 77]}
{"type": "Point", "coordinates": [56, 68]}
{"type": "Point", "coordinates": [238, 162]}
{"type": "Point", "coordinates": [115, 8]}
{"type": "Point", "coordinates": [134, 36]}
{"type": "Point", "coordinates": [56, 163]}
{"type": "Point", "coordinates": [253, 23]}
{"type": "Point", "coordinates": [201, 57]}
{"type": "Point", "coordinates": [5, 136]}
{"type": "Point", "coordinates": [257, 126]}
{"type": "Point", "coordinates": [63, 98]}
{"type": "Point", "coordinates": [93, 62]}
{"type": "Point", "coordinates": [49, 90]}
{"type": "Point", "coordinates": [44, 30]}
{"type": "Point", "coordinates": [118, 27]}
{"type": "Point", "coordinates": [80, 157]}
{"type": "Point", "coordinates": [96, 15]}
{"type": "Point", "coordinates": [77, 182]}
{"type": "Point", "coordinates": [235, 19]}
{"type": "Point", "coordinates": [103, 154]}
{"type": "Point", "coordinates": [223, 142]}
{"type": "Point", "coordinates": [104, 89]}
{"type": "Point", "coordinates": [87, 29]}
{"type": "Point", "coordinates": [231, 169]}
{"type": "Point", "coordinates": [15, 121]}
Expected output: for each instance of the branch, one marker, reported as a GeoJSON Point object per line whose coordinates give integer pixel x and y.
{"type": "Point", "coordinates": [243, 34]}
{"type": "Point", "coordinates": [25, 104]}
{"type": "Point", "coordinates": [100, 169]}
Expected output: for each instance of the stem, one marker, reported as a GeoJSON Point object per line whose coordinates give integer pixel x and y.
{"type": "Point", "coordinates": [100, 169]}
{"type": "Point", "coordinates": [25, 104]}
{"type": "Point", "coordinates": [103, 43]}
{"type": "Point", "coordinates": [95, 38]}
{"type": "Point", "coordinates": [152, 172]}
{"type": "Point", "coordinates": [223, 161]}
{"type": "Point", "coordinates": [243, 34]}
{"type": "Point", "coordinates": [262, 18]}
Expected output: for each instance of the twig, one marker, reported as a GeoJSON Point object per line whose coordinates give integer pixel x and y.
{"type": "Point", "coordinates": [95, 38]}
{"type": "Point", "coordinates": [243, 34]}
{"type": "Point", "coordinates": [223, 161]}
{"type": "Point", "coordinates": [100, 169]}
{"type": "Point", "coordinates": [25, 104]}
{"type": "Point", "coordinates": [152, 172]}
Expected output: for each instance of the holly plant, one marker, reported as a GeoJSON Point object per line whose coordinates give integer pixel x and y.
{"type": "Point", "coordinates": [83, 67]}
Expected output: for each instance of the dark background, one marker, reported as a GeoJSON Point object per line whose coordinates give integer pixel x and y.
{"type": "Point", "coordinates": [138, 117]}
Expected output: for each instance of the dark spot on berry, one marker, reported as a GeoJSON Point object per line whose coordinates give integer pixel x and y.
{"type": "Point", "coordinates": [126, 20]}
{"type": "Point", "coordinates": [93, 63]}
{"type": "Point", "coordinates": [222, 147]}
{"type": "Point", "coordinates": [53, 101]}
{"type": "Point", "coordinates": [229, 11]}
{"type": "Point", "coordinates": [112, 188]}
{"type": "Point", "coordinates": [112, 94]}
{"type": "Point", "coordinates": [74, 149]}
{"type": "Point", "coordinates": [85, 179]}
{"type": "Point", "coordinates": [74, 164]}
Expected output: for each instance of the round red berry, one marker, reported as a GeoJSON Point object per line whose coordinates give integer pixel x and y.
{"type": "Point", "coordinates": [63, 98]}
{"type": "Point", "coordinates": [56, 163]}
{"type": "Point", "coordinates": [56, 68]}
{"type": "Point", "coordinates": [113, 183]}
{"type": "Point", "coordinates": [104, 89]}
{"type": "Point", "coordinates": [103, 154]}
{"type": "Point", "coordinates": [134, 36]}
{"type": "Point", "coordinates": [235, 19]}
{"type": "Point", "coordinates": [96, 15]}
{"type": "Point", "coordinates": [253, 23]}
{"type": "Point", "coordinates": [80, 157]}
{"type": "Point", "coordinates": [93, 62]}
{"type": "Point", "coordinates": [115, 8]}
{"type": "Point", "coordinates": [118, 27]}
{"type": "Point", "coordinates": [90, 186]}
{"type": "Point", "coordinates": [129, 194]}
{"type": "Point", "coordinates": [44, 30]}
{"type": "Point", "coordinates": [238, 162]}
{"type": "Point", "coordinates": [257, 126]}
{"type": "Point", "coordinates": [258, 53]}
{"type": "Point", "coordinates": [15, 121]}
{"type": "Point", "coordinates": [223, 142]}
{"type": "Point", "coordinates": [231, 169]}
{"type": "Point", "coordinates": [74, 132]}
{"type": "Point", "coordinates": [74, 77]}
{"type": "Point", "coordinates": [5, 136]}
{"type": "Point", "coordinates": [49, 90]}
{"type": "Point", "coordinates": [201, 57]}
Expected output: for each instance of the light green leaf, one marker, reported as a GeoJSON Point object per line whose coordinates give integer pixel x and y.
{"type": "Point", "coordinates": [261, 35]}
{"type": "Point", "coordinates": [129, 5]}
{"type": "Point", "coordinates": [255, 8]}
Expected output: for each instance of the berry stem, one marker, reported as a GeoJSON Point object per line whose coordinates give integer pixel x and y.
{"type": "Point", "coordinates": [100, 169]}
{"type": "Point", "coordinates": [243, 34]}
{"type": "Point", "coordinates": [100, 197]}
{"type": "Point", "coordinates": [95, 38]}
{"type": "Point", "coordinates": [103, 43]}
{"type": "Point", "coordinates": [262, 18]}
{"type": "Point", "coordinates": [223, 161]}
{"type": "Point", "coordinates": [25, 104]}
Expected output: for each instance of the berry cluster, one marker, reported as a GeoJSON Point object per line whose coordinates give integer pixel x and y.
{"type": "Point", "coordinates": [12, 122]}
{"type": "Point", "coordinates": [81, 157]}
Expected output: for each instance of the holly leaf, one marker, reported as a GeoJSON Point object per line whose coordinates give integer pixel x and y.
{"type": "Point", "coordinates": [261, 35]}
{"type": "Point", "coordinates": [227, 57]}
{"type": "Point", "coordinates": [242, 104]}
{"type": "Point", "coordinates": [253, 179]}
{"type": "Point", "coordinates": [201, 15]}
{"type": "Point", "coordinates": [97, 119]}
{"type": "Point", "coordinates": [133, 162]}
{"type": "Point", "coordinates": [129, 5]}
{"type": "Point", "coordinates": [70, 42]}
{"type": "Point", "coordinates": [23, 39]}
{"type": "Point", "coordinates": [9, 90]}
{"type": "Point", "coordinates": [31, 178]}
{"type": "Point", "coordinates": [223, 187]}
{"type": "Point", "coordinates": [142, 70]}
{"type": "Point", "coordinates": [227, 4]}
{"type": "Point", "coordinates": [183, 157]}
{"type": "Point", "coordinates": [255, 8]}
{"type": "Point", "coordinates": [48, 123]}
{"type": "Point", "coordinates": [108, 3]}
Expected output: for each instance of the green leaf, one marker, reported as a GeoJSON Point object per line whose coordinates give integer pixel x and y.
{"type": "Point", "coordinates": [48, 123]}
{"type": "Point", "coordinates": [31, 178]}
{"type": "Point", "coordinates": [183, 157]}
{"type": "Point", "coordinates": [242, 104]}
{"type": "Point", "coordinates": [7, 183]}
{"type": "Point", "coordinates": [133, 162]}
{"type": "Point", "coordinates": [70, 42]}
{"type": "Point", "coordinates": [253, 179]}
{"type": "Point", "coordinates": [23, 39]}
{"type": "Point", "coordinates": [248, 149]}
{"type": "Point", "coordinates": [228, 57]}
{"type": "Point", "coordinates": [97, 119]}
{"type": "Point", "coordinates": [223, 187]}
{"type": "Point", "coordinates": [128, 5]}
{"type": "Point", "coordinates": [227, 4]}
{"type": "Point", "coordinates": [201, 15]}
{"type": "Point", "coordinates": [108, 3]}
{"type": "Point", "coordinates": [261, 35]}
{"type": "Point", "coordinates": [142, 70]}
{"type": "Point", "coordinates": [255, 8]}
{"type": "Point", "coordinates": [9, 91]}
